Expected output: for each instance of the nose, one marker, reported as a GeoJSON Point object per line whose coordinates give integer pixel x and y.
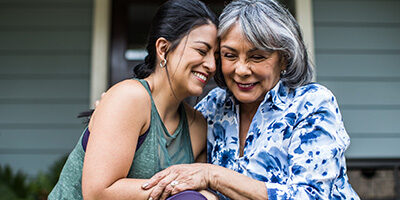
{"type": "Point", "coordinates": [209, 63]}
{"type": "Point", "coordinates": [242, 69]}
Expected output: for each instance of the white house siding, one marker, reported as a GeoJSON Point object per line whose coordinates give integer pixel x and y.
{"type": "Point", "coordinates": [44, 79]}
{"type": "Point", "coordinates": [357, 45]}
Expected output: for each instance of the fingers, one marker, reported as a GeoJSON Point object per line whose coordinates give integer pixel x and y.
{"type": "Point", "coordinates": [154, 180]}
{"type": "Point", "coordinates": [167, 191]}
{"type": "Point", "coordinates": [163, 189]}
{"type": "Point", "coordinates": [180, 188]}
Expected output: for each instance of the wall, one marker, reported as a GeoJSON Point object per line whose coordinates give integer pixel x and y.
{"type": "Point", "coordinates": [44, 79]}
{"type": "Point", "coordinates": [357, 47]}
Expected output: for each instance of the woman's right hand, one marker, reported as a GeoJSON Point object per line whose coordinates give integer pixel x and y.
{"type": "Point", "coordinates": [178, 178]}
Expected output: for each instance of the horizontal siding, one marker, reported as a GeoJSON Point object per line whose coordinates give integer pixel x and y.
{"type": "Point", "coordinates": [44, 40]}
{"type": "Point", "coordinates": [374, 148]}
{"type": "Point", "coordinates": [357, 57]}
{"type": "Point", "coordinates": [37, 138]}
{"type": "Point", "coordinates": [41, 113]}
{"type": "Point", "coordinates": [357, 38]}
{"type": "Point", "coordinates": [350, 92]}
{"type": "Point", "coordinates": [44, 79]}
{"type": "Point", "coordinates": [44, 88]}
{"type": "Point", "coordinates": [371, 123]}
{"type": "Point", "coordinates": [14, 65]}
{"type": "Point", "coordinates": [63, 18]}
{"type": "Point", "coordinates": [358, 65]}
{"type": "Point", "coordinates": [359, 11]}
{"type": "Point", "coordinates": [30, 163]}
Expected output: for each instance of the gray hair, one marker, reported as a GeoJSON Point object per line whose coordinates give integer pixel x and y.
{"type": "Point", "coordinates": [269, 26]}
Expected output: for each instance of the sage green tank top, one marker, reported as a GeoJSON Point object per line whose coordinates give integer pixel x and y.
{"type": "Point", "coordinates": [158, 151]}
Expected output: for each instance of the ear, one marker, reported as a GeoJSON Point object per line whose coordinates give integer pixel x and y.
{"type": "Point", "coordinates": [282, 61]}
{"type": "Point", "coordinates": [162, 46]}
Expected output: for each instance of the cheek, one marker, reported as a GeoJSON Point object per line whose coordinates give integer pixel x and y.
{"type": "Point", "coordinates": [226, 67]}
{"type": "Point", "coordinates": [267, 71]}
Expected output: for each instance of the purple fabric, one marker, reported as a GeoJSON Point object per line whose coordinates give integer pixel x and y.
{"type": "Point", "coordinates": [187, 195]}
{"type": "Point", "coordinates": [86, 135]}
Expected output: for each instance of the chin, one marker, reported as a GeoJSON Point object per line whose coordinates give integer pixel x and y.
{"type": "Point", "coordinates": [195, 91]}
{"type": "Point", "coordinates": [246, 98]}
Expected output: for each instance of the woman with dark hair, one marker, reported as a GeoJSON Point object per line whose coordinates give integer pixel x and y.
{"type": "Point", "coordinates": [272, 134]}
{"type": "Point", "coordinates": [142, 125]}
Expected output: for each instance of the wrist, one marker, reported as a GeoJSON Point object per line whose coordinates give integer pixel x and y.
{"type": "Point", "coordinates": [212, 177]}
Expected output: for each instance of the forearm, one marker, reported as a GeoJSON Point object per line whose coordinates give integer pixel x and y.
{"type": "Point", "coordinates": [235, 185]}
{"type": "Point", "coordinates": [126, 188]}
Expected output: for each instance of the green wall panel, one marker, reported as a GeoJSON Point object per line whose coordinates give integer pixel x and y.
{"type": "Point", "coordinates": [358, 38]}
{"type": "Point", "coordinates": [357, 47]}
{"type": "Point", "coordinates": [45, 40]}
{"type": "Point", "coordinates": [358, 66]}
{"type": "Point", "coordinates": [42, 88]}
{"type": "Point", "coordinates": [374, 148]}
{"type": "Point", "coordinates": [364, 11]}
{"type": "Point", "coordinates": [44, 65]}
{"type": "Point", "coordinates": [39, 138]}
{"type": "Point", "coordinates": [365, 92]}
{"type": "Point", "coordinates": [44, 79]}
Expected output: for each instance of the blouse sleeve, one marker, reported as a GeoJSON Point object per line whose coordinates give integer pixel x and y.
{"type": "Point", "coordinates": [315, 153]}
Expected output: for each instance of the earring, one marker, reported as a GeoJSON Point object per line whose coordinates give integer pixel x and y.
{"type": "Point", "coordinates": [283, 72]}
{"type": "Point", "coordinates": [163, 63]}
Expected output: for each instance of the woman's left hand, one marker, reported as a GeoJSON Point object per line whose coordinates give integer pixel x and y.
{"type": "Point", "coordinates": [178, 178]}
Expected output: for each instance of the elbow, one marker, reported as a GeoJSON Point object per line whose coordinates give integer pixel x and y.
{"type": "Point", "coordinates": [89, 195]}
{"type": "Point", "coordinates": [92, 193]}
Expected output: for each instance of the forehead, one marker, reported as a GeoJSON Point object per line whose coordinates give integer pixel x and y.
{"type": "Point", "coordinates": [235, 37]}
{"type": "Point", "coordinates": [205, 33]}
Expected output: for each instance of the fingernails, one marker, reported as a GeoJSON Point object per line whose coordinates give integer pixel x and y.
{"type": "Point", "coordinates": [144, 187]}
{"type": "Point", "coordinates": [150, 198]}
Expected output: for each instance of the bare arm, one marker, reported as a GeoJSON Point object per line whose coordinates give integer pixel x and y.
{"type": "Point", "coordinates": [235, 185]}
{"type": "Point", "coordinates": [201, 176]}
{"type": "Point", "coordinates": [115, 128]}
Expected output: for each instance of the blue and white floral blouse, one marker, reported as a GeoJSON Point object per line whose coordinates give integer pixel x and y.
{"type": "Point", "coordinates": [295, 144]}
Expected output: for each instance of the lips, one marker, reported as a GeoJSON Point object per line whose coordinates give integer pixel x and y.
{"type": "Point", "coordinates": [200, 76]}
{"type": "Point", "coordinates": [246, 86]}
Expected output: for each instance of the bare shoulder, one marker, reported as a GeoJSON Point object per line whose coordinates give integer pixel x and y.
{"type": "Point", "coordinates": [124, 101]}
{"type": "Point", "coordinates": [131, 89]}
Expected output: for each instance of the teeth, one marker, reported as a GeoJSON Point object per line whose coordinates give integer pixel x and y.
{"type": "Point", "coordinates": [246, 85]}
{"type": "Point", "coordinates": [201, 76]}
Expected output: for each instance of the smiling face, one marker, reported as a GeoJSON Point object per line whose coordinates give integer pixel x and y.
{"type": "Point", "coordinates": [192, 63]}
{"type": "Point", "coordinates": [249, 72]}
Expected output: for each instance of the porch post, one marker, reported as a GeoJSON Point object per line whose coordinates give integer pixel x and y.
{"type": "Point", "coordinates": [304, 15]}
{"type": "Point", "coordinates": [100, 49]}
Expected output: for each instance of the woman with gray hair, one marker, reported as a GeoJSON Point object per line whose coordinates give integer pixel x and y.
{"type": "Point", "coordinates": [271, 133]}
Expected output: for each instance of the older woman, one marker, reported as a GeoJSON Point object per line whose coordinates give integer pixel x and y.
{"type": "Point", "coordinates": [271, 133]}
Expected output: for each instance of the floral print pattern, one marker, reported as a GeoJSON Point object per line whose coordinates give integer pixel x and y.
{"type": "Point", "coordinates": [295, 143]}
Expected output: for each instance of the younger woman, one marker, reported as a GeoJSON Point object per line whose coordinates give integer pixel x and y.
{"type": "Point", "coordinates": [141, 125]}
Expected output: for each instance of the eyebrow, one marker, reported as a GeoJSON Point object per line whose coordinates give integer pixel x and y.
{"type": "Point", "coordinates": [253, 49]}
{"type": "Point", "coordinates": [228, 47]}
{"type": "Point", "coordinates": [205, 43]}
{"type": "Point", "coordinates": [232, 49]}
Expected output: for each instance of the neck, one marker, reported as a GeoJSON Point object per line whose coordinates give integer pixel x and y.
{"type": "Point", "coordinates": [167, 102]}
{"type": "Point", "coordinates": [248, 110]}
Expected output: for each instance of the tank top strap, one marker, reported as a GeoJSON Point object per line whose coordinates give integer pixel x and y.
{"type": "Point", "coordinates": [147, 87]}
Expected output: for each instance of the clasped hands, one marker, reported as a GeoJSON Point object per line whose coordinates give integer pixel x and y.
{"type": "Point", "coordinates": [178, 178]}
